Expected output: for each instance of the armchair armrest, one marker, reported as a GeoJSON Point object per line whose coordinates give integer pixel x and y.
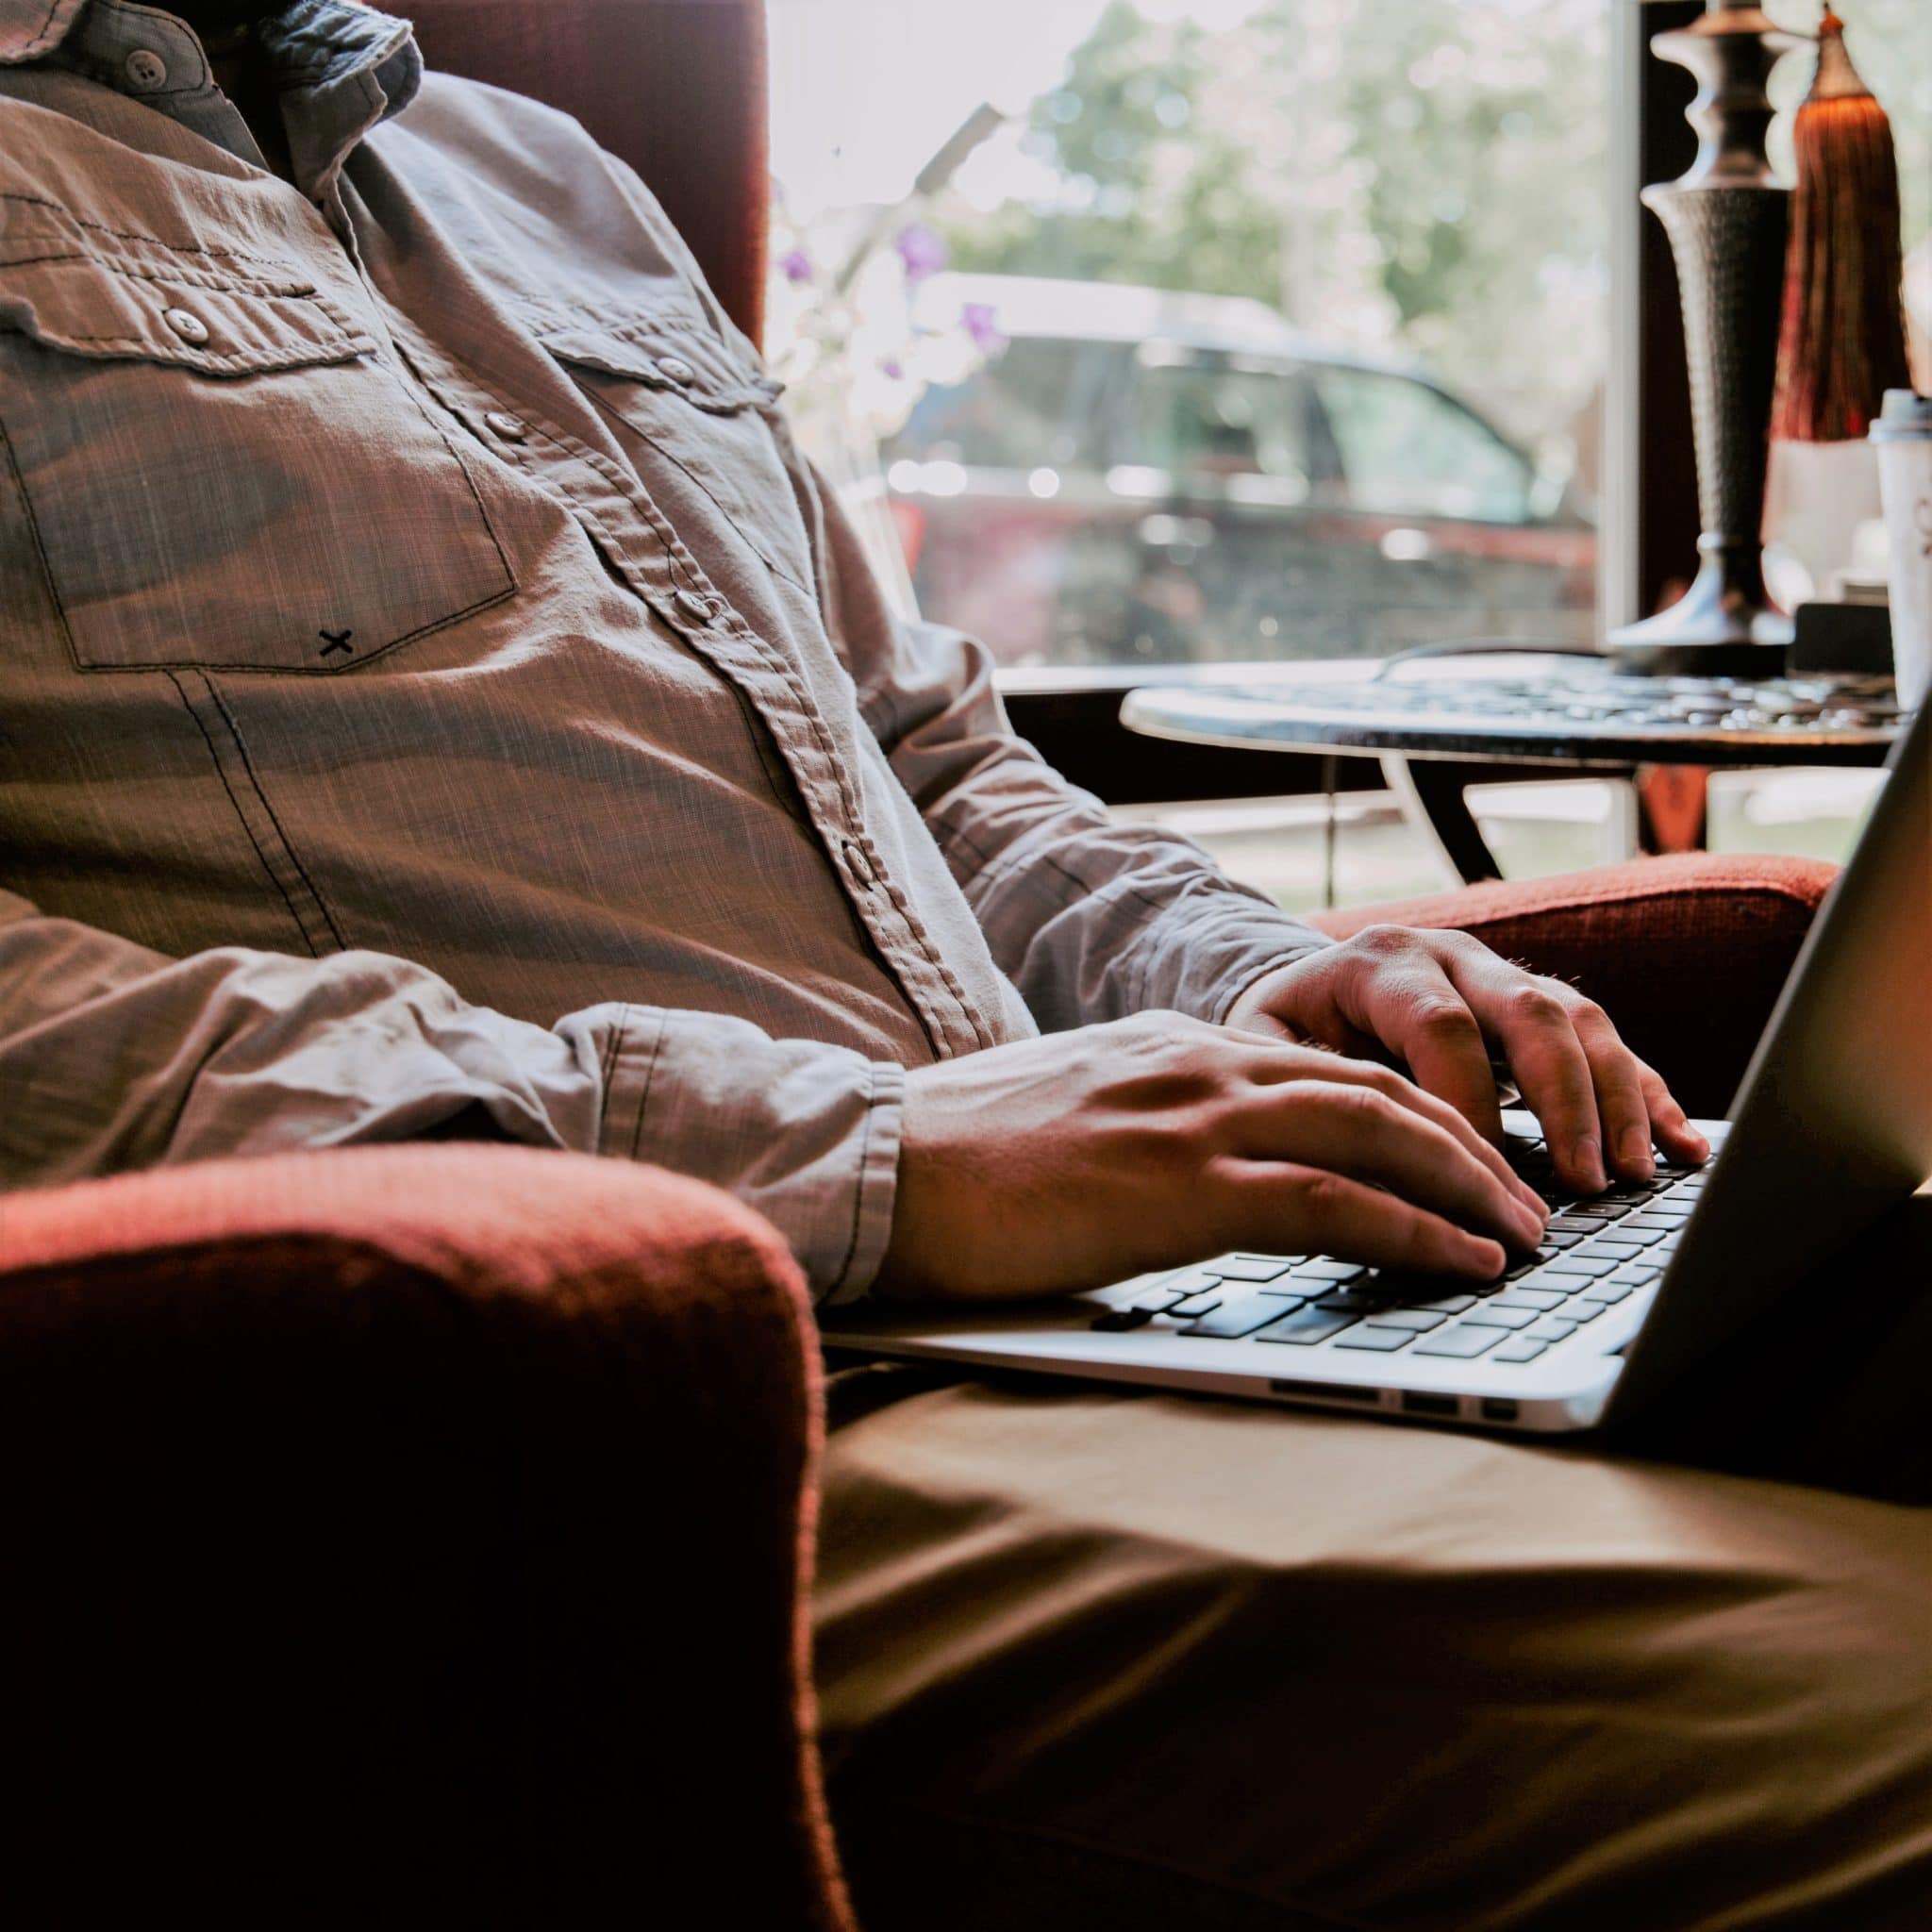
{"type": "Point", "coordinates": [422, 1531]}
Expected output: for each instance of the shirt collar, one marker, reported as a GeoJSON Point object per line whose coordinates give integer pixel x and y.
{"type": "Point", "coordinates": [317, 40]}
{"type": "Point", "coordinates": [346, 65]}
{"type": "Point", "coordinates": [29, 29]}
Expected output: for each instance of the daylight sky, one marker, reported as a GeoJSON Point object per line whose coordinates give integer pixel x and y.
{"type": "Point", "coordinates": [864, 90]}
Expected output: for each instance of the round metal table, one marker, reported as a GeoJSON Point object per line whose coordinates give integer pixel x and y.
{"type": "Point", "coordinates": [1427, 719]}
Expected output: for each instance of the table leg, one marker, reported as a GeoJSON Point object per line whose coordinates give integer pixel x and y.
{"type": "Point", "coordinates": [1673, 801]}
{"type": "Point", "coordinates": [1430, 792]}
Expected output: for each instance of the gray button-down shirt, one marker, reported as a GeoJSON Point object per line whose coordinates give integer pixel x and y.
{"type": "Point", "coordinates": [435, 697]}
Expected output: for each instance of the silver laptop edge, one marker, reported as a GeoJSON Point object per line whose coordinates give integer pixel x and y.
{"type": "Point", "coordinates": [1832, 1128]}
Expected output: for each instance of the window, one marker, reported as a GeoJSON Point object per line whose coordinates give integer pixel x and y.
{"type": "Point", "coordinates": [1233, 330]}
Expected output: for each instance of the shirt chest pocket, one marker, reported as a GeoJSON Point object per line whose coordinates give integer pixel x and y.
{"type": "Point", "coordinates": [219, 471]}
{"type": "Point", "coordinates": [701, 429]}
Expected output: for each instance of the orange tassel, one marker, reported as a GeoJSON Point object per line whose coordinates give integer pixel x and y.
{"type": "Point", "coordinates": [1844, 342]}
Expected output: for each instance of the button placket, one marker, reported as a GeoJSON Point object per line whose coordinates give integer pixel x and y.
{"type": "Point", "coordinates": [618, 515]}
{"type": "Point", "coordinates": [863, 873]}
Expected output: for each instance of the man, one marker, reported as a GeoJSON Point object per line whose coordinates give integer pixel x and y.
{"type": "Point", "coordinates": [438, 701]}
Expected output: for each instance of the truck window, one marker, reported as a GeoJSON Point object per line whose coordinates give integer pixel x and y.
{"type": "Point", "coordinates": [1016, 413]}
{"type": "Point", "coordinates": [1222, 431]}
{"type": "Point", "coordinates": [1407, 450]}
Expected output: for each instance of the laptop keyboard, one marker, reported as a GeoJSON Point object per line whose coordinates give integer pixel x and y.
{"type": "Point", "coordinates": [1598, 1251]}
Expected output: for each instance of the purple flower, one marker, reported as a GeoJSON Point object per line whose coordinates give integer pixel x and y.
{"type": "Point", "coordinates": [893, 367]}
{"type": "Point", "coordinates": [797, 266]}
{"type": "Point", "coordinates": [922, 251]}
{"type": "Point", "coordinates": [979, 321]}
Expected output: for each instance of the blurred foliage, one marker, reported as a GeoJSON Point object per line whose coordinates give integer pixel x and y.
{"type": "Point", "coordinates": [1418, 174]}
{"type": "Point", "coordinates": [1426, 176]}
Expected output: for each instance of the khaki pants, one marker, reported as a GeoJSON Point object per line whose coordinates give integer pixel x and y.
{"type": "Point", "coordinates": [1137, 1661]}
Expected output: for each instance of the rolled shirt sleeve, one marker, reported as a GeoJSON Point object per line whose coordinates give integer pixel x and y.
{"type": "Point", "coordinates": [1091, 917]}
{"type": "Point", "coordinates": [114, 1058]}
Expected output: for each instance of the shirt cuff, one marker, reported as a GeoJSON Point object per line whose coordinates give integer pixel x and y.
{"type": "Point", "coordinates": [805, 1133]}
{"type": "Point", "coordinates": [1203, 957]}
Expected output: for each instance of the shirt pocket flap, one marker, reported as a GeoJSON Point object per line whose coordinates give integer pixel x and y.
{"type": "Point", "coordinates": [218, 323]}
{"type": "Point", "coordinates": [678, 357]}
{"type": "Point", "coordinates": [221, 467]}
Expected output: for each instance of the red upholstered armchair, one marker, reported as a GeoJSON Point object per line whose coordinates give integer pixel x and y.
{"type": "Point", "coordinates": [425, 1532]}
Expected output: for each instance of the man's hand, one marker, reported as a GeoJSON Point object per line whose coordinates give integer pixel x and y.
{"type": "Point", "coordinates": [1439, 1002]}
{"type": "Point", "coordinates": [1077, 1160]}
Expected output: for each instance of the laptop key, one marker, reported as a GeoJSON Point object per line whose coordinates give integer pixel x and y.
{"type": "Point", "coordinates": [1352, 1301]}
{"type": "Point", "coordinates": [1383, 1341]}
{"type": "Point", "coordinates": [1624, 1251]}
{"type": "Point", "coordinates": [1119, 1320]}
{"type": "Point", "coordinates": [1538, 1299]}
{"type": "Point", "coordinates": [1417, 1320]}
{"type": "Point", "coordinates": [1325, 1269]}
{"type": "Point", "coordinates": [1196, 1305]}
{"type": "Point", "coordinates": [1581, 1264]}
{"type": "Point", "coordinates": [1581, 1311]}
{"type": "Point", "coordinates": [1463, 1341]}
{"type": "Point", "coordinates": [1573, 1223]}
{"type": "Point", "coordinates": [1546, 1280]}
{"type": "Point", "coordinates": [1305, 1327]}
{"type": "Point", "coordinates": [1251, 1267]}
{"type": "Point", "coordinates": [1158, 1303]}
{"type": "Point", "coordinates": [1190, 1281]}
{"type": "Point", "coordinates": [1490, 1316]}
{"type": "Point", "coordinates": [1447, 1305]}
{"type": "Point", "coordinates": [1233, 1320]}
{"type": "Point", "coordinates": [1519, 1348]}
{"type": "Point", "coordinates": [1607, 1292]}
{"type": "Point", "coordinates": [1552, 1328]}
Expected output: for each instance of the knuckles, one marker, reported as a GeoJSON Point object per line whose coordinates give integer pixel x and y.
{"type": "Point", "coordinates": [1383, 942]}
{"type": "Point", "coordinates": [1443, 1020]}
{"type": "Point", "coordinates": [1535, 1005]}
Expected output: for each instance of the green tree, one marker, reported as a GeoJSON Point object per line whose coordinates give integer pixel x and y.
{"type": "Point", "coordinates": [1148, 195]}
{"type": "Point", "coordinates": [1419, 173]}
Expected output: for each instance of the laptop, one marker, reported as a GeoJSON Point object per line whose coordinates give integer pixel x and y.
{"type": "Point", "coordinates": [1635, 1290]}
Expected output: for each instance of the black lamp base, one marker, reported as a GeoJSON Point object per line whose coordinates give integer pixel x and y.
{"type": "Point", "coordinates": [1719, 627]}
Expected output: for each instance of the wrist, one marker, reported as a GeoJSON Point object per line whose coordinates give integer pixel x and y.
{"type": "Point", "coordinates": [1269, 993]}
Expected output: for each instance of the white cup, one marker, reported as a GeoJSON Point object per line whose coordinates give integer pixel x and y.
{"type": "Point", "coordinates": [1904, 435]}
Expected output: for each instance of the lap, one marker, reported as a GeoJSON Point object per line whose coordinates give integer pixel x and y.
{"type": "Point", "coordinates": [1170, 1661]}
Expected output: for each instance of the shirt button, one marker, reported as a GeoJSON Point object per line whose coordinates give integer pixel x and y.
{"type": "Point", "coordinates": [859, 865]}
{"type": "Point", "coordinates": [190, 327]}
{"type": "Point", "coordinates": [510, 427]}
{"type": "Point", "coordinates": [674, 369]}
{"type": "Point", "coordinates": [145, 69]}
{"type": "Point", "coordinates": [692, 605]}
